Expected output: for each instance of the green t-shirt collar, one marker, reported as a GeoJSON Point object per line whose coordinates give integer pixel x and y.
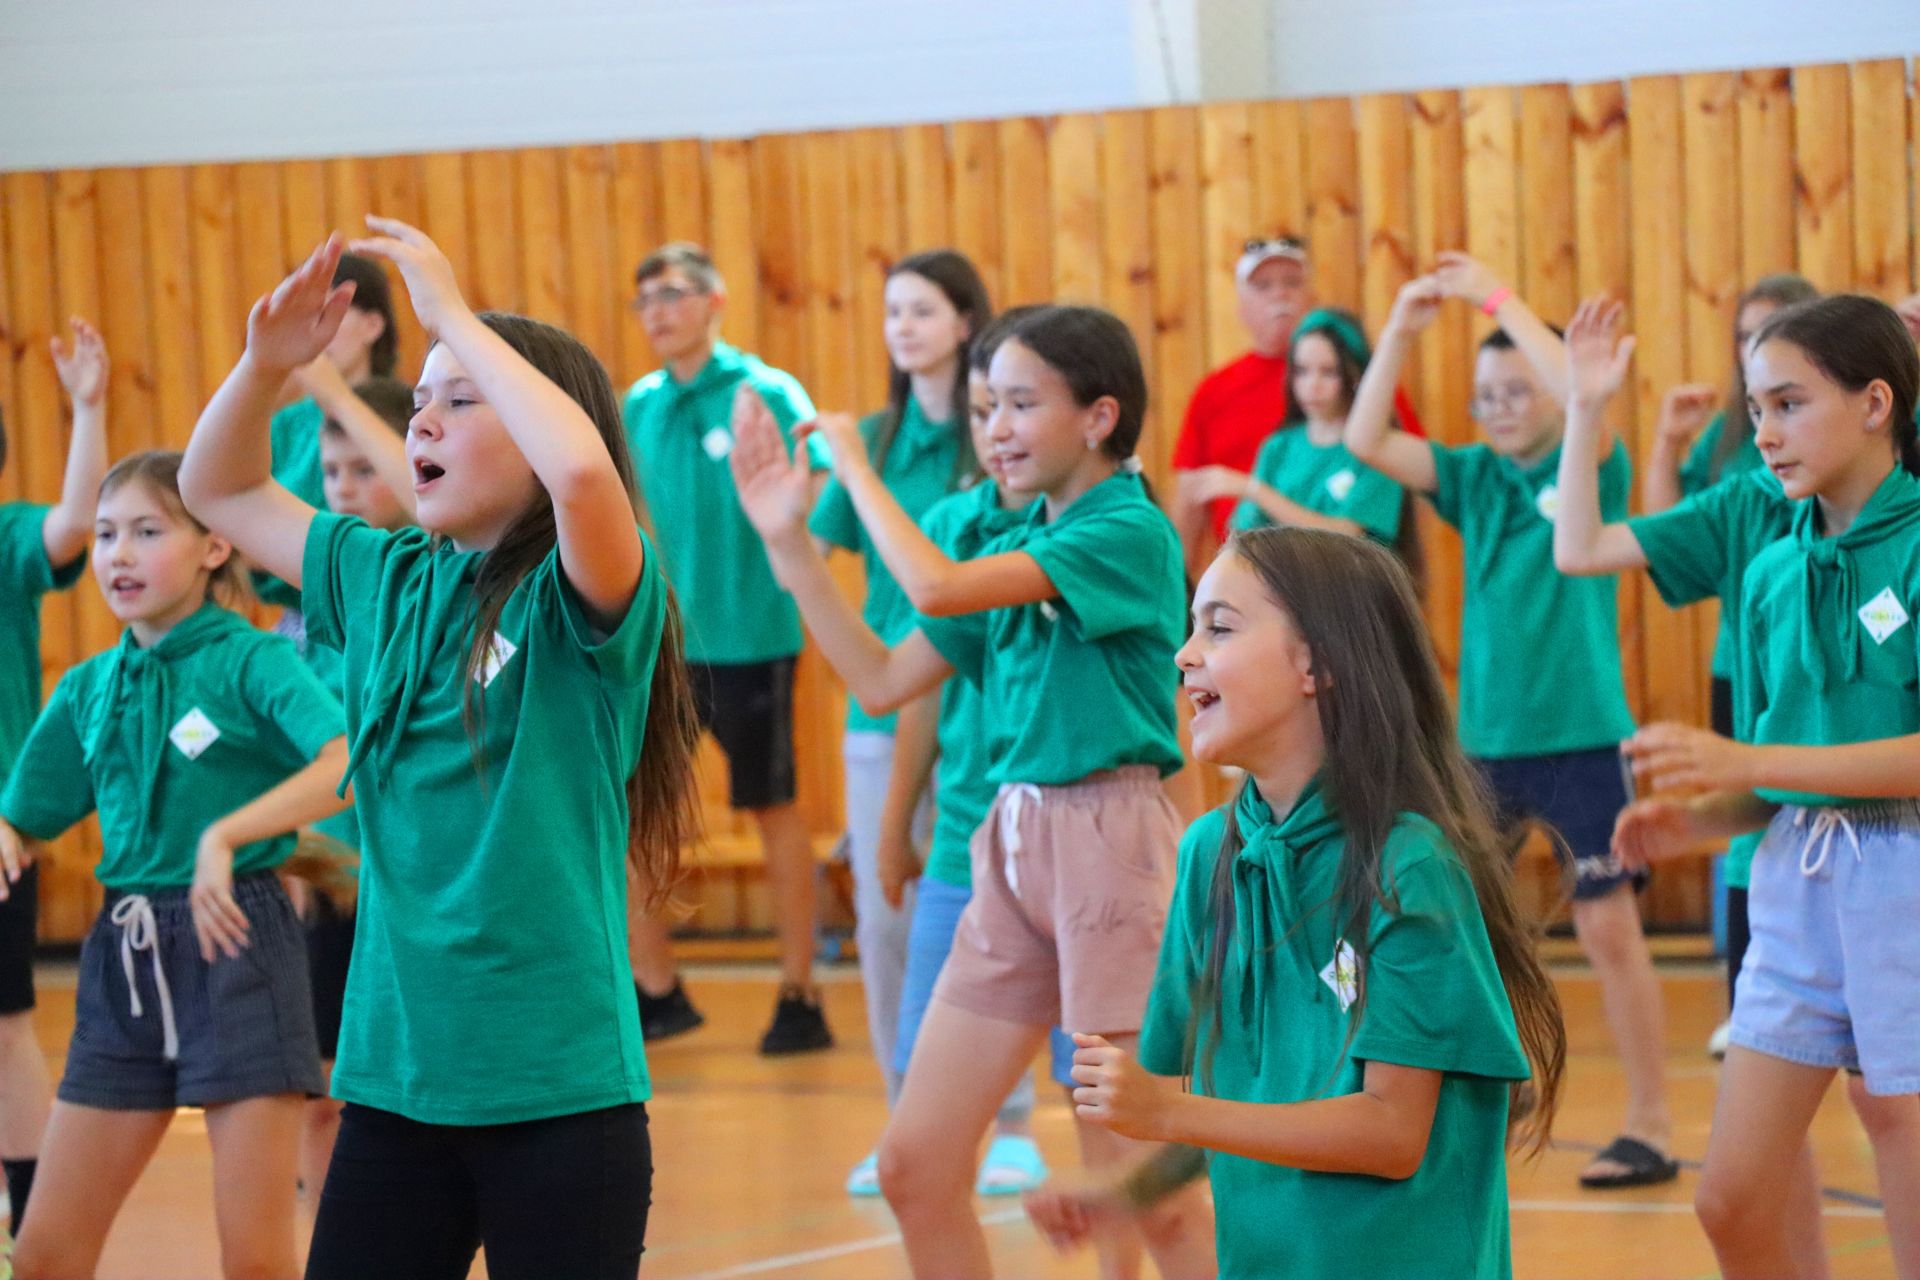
{"type": "Point", "coordinates": [723, 366]}
{"type": "Point", "coordinates": [140, 688]}
{"type": "Point", "coordinates": [1832, 586]}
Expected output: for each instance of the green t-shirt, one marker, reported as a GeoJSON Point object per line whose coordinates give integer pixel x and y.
{"type": "Point", "coordinates": [1828, 651]}
{"type": "Point", "coordinates": [295, 436]}
{"type": "Point", "coordinates": [1539, 651]}
{"type": "Point", "coordinates": [1084, 681]}
{"type": "Point", "coordinates": [961, 524]}
{"type": "Point", "coordinates": [490, 981]}
{"type": "Point", "coordinates": [1701, 547]}
{"type": "Point", "coordinates": [25, 576]}
{"type": "Point", "coordinates": [919, 470]}
{"type": "Point", "coordinates": [331, 667]}
{"type": "Point", "coordinates": [1698, 472]}
{"type": "Point", "coordinates": [165, 741]}
{"type": "Point", "coordinates": [1323, 478]}
{"type": "Point", "coordinates": [681, 435]}
{"type": "Point", "coordinates": [1286, 1034]}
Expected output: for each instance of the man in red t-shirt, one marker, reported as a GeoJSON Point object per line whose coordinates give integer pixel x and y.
{"type": "Point", "coordinates": [1237, 406]}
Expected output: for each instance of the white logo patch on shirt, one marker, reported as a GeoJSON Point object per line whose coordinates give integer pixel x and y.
{"type": "Point", "coordinates": [718, 443]}
{"type": "Point", "coordinates": [499, 650]}
{"type": "Point", "coordinates": [194, 734]}
{"type": "Point", "coordinates": [1883, 615]}
{"type": "Point", "coordinates": [1548, 502]}
{"type": "Point", "coordinates": [1342, 974]}
{"type": "Point", "coordinates": [1340, 484]}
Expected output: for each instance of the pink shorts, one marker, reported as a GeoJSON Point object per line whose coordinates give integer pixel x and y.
{"type": "Point", "coordinates": [1070, 893]}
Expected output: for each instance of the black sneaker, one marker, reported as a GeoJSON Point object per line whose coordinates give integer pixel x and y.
{"type": "Point", "coordinates": [799, 1025]}
{"type": "Point", "coordinates": [663, 1017]}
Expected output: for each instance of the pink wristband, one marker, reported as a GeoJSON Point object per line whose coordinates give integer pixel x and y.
{"type": "Point", "coordinates": [1494, 299]}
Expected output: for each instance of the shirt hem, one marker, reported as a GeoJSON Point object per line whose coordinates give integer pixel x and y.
{"type": "Point", "coordinates": [512, 1111]}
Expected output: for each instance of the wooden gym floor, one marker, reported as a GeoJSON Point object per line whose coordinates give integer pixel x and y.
{"type": "Point", "coordinates": [753, 1153]}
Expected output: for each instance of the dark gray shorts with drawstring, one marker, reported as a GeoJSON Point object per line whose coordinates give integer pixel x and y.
{"type": "Point", "coordinates": [186, 1033]}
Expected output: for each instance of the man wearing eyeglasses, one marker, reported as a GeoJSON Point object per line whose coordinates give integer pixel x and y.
{"type": "Point", "coordinates": [742, 631]}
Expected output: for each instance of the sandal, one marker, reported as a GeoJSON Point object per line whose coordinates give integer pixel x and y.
{"type": "Point", "coordinates": [1013, 1165]}
{"type": "Point", "coordinates": [1644, 1166]}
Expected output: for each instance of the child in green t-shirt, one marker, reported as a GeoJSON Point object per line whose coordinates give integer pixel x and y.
{"type": "Point", "coordinates": [522, 749]}
{"type": "Point", "coordinates": [42, 549]}
{"type": "Point", "coordinates": [1543, 705]}
{"type": "Point", "coordinates": [201, 743]}
{"type": "Point", "coordinates": [1068, 622]}
{"type": "Point", "coordinates": [1347, 987]}
{"type": "Point", "coordinates": [1826, 756]}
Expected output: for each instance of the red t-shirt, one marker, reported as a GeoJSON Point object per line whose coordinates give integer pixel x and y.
{"type": "Point", "coordinates": [1233, 411]}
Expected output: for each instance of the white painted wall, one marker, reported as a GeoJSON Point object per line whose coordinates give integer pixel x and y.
{"type": "Point", "coordinates": [96, 82]}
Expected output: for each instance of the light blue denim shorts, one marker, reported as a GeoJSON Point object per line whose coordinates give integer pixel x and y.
{"type": "Point", "coordinates": [1832, 978]}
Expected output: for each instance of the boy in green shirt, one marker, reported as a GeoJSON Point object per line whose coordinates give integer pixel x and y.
{"type": "Point", "coordinates": [42, 549]}
{"type": "Point", "coordinates": [1542, 704]}
{"type": "Point", "coordinates": [743, 631]}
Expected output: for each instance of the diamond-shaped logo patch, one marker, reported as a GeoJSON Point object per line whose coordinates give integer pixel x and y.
{"type": "Point", "coordinates": [718, 443]}
{"type": "Point", "coordinates": [194, 734]}
{"type": "Point", "coordinates": [1342, 974]}
{"type": "Point", "coordinates": [1340, 484]}
{"type": "Point", "coordinates": [499, 650]}
{"type": "Point", "coordinates": [1883, 615]}
{"type": "Point", "coordinates": [1548, 502]}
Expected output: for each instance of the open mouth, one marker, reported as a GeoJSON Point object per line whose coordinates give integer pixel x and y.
{"type": "Point", "coordinates": [1201, 699]}
{"type": "Point", "coordinates": [122, 587]}
{"type": "Point", "coordinates": [425, 472]}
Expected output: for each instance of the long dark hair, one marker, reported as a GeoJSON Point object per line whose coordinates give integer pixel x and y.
{"type": "Point", "coordinates": [1390, 749]}
{"type": "Point", "coordinates": [662, 808]}
{"type": "Point", "coordinates": [1857, 341]}
{"type": "Point", "coordinates": [1736, 423]}
{"type": "Point", "coordinates": [953, 274]}
{"type": "Point", "coordinates": [158, 472]}
{"type": "Point", "coordinates": [1094, 351]}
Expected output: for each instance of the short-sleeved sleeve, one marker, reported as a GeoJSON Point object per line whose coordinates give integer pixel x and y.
{"type": "Point", "coordinates": [1105, 584]}
{"type": "Point", "coordinates": [1163, 1032]}
{"type": "Point", "coordinates": [286, 695]}
{"type": "Point", "coordinates": [50, 788]}
{"type": "Point", "coordinates": [960, 639]}
{"type": "Point", "coordinates": [629, 654]}
{"type": "Point", "coordinates": [23, 552]}
{"type": "Point", "coordinates": [1374, 504]}
{"type": "Point", "coordinates": [341, 563]}
{"type": "Point", "coordinates": [1455, 470]}
{"type": "Point", "coordinates": [790, 405]}
{"type": "Point", "coordinates": [1686, 545]}
{"type": "Point", "coordinates": [834, 520]}
{"type": "Point", "coordinates": [1434, 998]}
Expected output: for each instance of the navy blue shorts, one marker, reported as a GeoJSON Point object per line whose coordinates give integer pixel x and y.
{"type": "Point", "coordinates": [748, 707]}
{"type": "Point", "coordinates": [1574, 796]}
{"type": "Point", "coordinates": [243, 1027]}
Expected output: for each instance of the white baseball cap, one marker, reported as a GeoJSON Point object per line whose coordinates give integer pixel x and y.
{"type": "Point", "coordinates": [1262, 250]}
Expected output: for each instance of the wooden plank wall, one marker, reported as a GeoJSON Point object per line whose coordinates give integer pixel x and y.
{"type": "Point", "coordinates": [1670, 190]}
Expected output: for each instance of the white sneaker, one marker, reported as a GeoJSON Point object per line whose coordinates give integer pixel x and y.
{"type": "Point", "coordinates": [1717, 1042]}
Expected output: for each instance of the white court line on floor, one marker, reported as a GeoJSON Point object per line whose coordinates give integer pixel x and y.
{"type": "Point", "coordinates": [766, 1266]}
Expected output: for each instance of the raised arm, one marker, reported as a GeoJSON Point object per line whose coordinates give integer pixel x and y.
{"type": "Point", "coordinates": [1372, 434]}
{"type": "Point", "coordinates": [369, 432]}
{"type": "Point", "coordinates": [82, 367]}
{"type": "Point", "coordinates": [227, 478]}
{"type": "Point", "coordinates": [1684, 413]}
{"type": "Point", "coordinates": [776, 493]}
{"type": "Point", "coordinates": [935, 583]}
{"type": "Point", "coordinates": [1461, 276]}
{"type": "Point", "coordinates": [1597, 357]}
{"type": "Point", "coordinates": [600, 547]}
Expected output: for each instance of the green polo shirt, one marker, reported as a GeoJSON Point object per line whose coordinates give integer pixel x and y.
{"type": "Point", "coordinates": [1324, 478]}
{"type": "Point", "coordinates": [1084, 681]}
{"type": "Point", "coordinates": [1286, 1032]}
{"type": "Point", "coordinates": [681, 435]}
{"type": "Point", "coordinates": [1700, 548]}
{"type": "Point", "coordinates": [919, 469]}
{"type": "Point", "coordinates": [295, 436]}
{"type": "Point", "coordinates": [961, 524]}
{"type": "Point", "coordinates": [1539, 651]}
{"type": "Point", "coordinates": [25, 576]}
{"type": "Point", "coordinates": [1829, 653]}
{"type": "Point", "coordinates": [490, 982]}
{"type": "Point", "coordinates": [165, 741]}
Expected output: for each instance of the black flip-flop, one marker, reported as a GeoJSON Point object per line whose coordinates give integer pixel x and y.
{"type": "Point", "coordinates": [1645, 1167]}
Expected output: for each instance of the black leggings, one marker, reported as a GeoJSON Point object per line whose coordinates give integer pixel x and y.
{"type": "Point", "coordinates": [1721, 707]}
{"type": "Point", "coordinates": [561, 1197]}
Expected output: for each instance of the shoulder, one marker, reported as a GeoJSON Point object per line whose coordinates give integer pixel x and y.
{"type": "Point", "coordinates": [768, 380]}
{"type": "Point", "coordinates": [644, 387]}
{"type": "Point", "coordinates": [1202, 839]}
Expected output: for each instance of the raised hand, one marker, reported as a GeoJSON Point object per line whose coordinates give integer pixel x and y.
{"type": "Point", "coordinates": [293, 324]}
{"type": "Point", "coordinates": [1685, 411]}
{"type": "Point", "coordinates": [1909, 312]}
{"type": "Point", "coordinates": [1417, 304]}
{"type": "Point", "coordinates": [775, 489]}
{"type": "Point", "coordinates": [83, 366]}
{"type": "Point", "coordinates": [429, 276]}
{"type": "Point", "coordinates": [841, 431]}
{"type": "Point", "coordinates": [1597, 353]}
{"type": "Point", "coordinates": [1462, 276]}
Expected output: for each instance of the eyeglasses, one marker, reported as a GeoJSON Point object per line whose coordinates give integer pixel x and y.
{"type": "Point", "coordinates": [1277, 244]}
{"type": "Point", "coordinates": [665, 296]}
{"type": "Point", "coordinates": [1491, 401]}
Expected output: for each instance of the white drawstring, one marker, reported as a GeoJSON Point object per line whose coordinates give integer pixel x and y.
{"type": "Point", "coordinates": [1014, 798]}
{"type": "Point", "coordinates": [1826, 824]}
{"type": "Point", "coordinates": [140, 932]}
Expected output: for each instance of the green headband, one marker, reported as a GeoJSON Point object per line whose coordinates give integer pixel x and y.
{"type": "Point", "coordinates": [1340, 326]}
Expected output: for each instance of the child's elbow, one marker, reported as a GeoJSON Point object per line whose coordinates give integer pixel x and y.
{"type": "Point", "coordinates": [877, 703]}
{"type": "Point", "coordinates": [1403, 1158]}
{"type": "Point", "coordinates": [935, 597]}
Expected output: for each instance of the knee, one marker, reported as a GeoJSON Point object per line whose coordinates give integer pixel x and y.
{"type": "Point", "coordinates": [1177, 1219]}
{"type": "Point", "coordinates": [1609, 928]}
{"type": "Point", "coordinates": [16, 1029]}
{"type": "Point", "coordinates": [1884, 1119]}
{"type": "Point", "coordinates": [38, 1258]}
{"type": "Point", "coordinates": [914, 1176]}
{"type": "Point", "coordinates": [1724, 1211]}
